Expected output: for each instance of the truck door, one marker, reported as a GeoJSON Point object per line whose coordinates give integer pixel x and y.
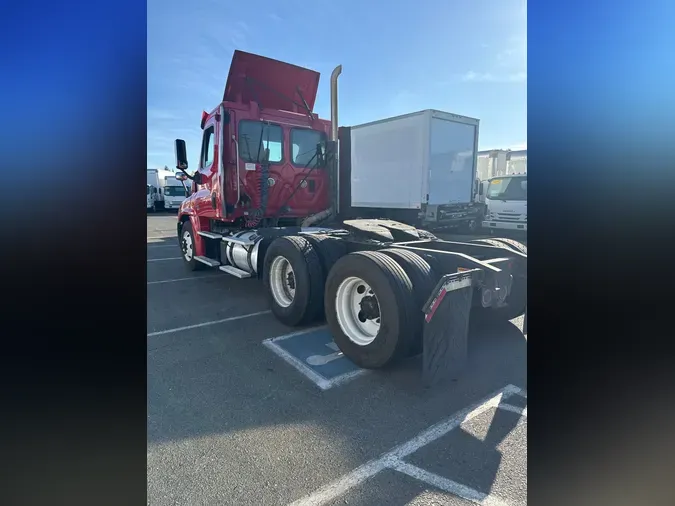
{"type": "Point", "coordinates": [208, 163]}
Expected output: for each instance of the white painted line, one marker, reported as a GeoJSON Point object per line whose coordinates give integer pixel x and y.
{"type": "Point", "coordinates": [319, 380]}
{"type": "Point", "coordinates": [206, 324]}
{"type": "Point", "coordinates": [157, 246]}
{"type": "Point", "coordinates": [393, 457]}
{"type": "Point", "coordinates": [161, 259]}
{"type": "Point", "coordinates": [513, 409]}
{"type": "Point", "coordinates": [442, 428]}
{"type": "Point", "coordinates": [297, 333]}
{"type": "Point", "coordinates": [184, 279]}
{"type": "Point", "coordinates": [447, 485]}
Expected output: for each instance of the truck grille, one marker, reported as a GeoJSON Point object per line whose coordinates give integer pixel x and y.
{"type": "Point", "coordinates": [510, 217]}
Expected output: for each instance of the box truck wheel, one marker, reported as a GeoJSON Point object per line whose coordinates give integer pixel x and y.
{"type": "Point", "coordinates": [187, 246]}
{"type": "Point", "coordinates": [517, 299]}
{"type": "Point", "coordinates": [293, 280]}
{"type": "Point", "coordinates": [370, 308]}
{"type": "Point", "coordinates": [424, 279]}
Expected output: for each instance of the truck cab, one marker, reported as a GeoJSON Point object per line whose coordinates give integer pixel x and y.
{"type": "Point", "coordinates": [174, 193]}
{"type": "Point", "coordinates": [261, 159]}
{"type": "Point", "coordinates": [506, 200]}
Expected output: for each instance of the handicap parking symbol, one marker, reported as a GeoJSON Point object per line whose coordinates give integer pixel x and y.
{"type": "Point", "coordinates": [314, 353]}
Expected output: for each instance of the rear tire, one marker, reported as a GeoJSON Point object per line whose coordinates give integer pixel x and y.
{"type": "Point", "coordinates": [187, 247]}
{"type": "Point", "coordinates": [293, 280]}
{"type": "Point", "coordinates": [378, 278]}
{"type": "Point", "coordinates": [424, 279]}
{"type": "Point", "coordinates": [330, 250]}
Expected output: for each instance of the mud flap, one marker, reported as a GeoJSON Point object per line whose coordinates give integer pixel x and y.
{"type": "Point", "coordinates": [446, 327]}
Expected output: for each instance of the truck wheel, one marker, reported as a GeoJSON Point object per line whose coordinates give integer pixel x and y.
{"type": "Point", "coordinates": [517, 299]}
{"type": "Point", "coordinates": [370, 309]}
{"type": "Point", "coordinates": [187, 246]}
{"type": "Point", "coordinates": [153, 209]}
{"type": "Point", "coordinates": [293, 280]}
{"type": "Point", "coordinates": [424, 280]}
{"type": "Point", "coordinates": [472, 226]}
{"type": "Point", "coordinates": [330, 250]}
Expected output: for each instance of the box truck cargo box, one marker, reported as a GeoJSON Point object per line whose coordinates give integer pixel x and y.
{"type": "Point", "coordinates": [405, 162]}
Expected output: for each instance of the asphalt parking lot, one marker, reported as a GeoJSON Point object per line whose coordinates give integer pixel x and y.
{"type": "Point", "coordinates": [231, 421]}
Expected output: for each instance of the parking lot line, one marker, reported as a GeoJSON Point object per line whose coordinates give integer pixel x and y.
{"type": "Point", "coordinates": [161, 259]}
{"type": "Point", "coordinates": [447, 485]}
{"type": "Point", "coordinates": [514, 409]}
{"type": "Point", "coordinates": [206, 324]}
{"type": "Point", "coordinates": [183, 279]}
{"type": "Point", "coordinates": [157, 246]}
{"type": "Point", "coordinates": [320, 381]}
{"type": "Point", "coordinates": [393, 457]}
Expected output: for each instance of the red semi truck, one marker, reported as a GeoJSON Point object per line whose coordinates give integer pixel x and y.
{"type": "Point", "coordinates": [271, 199]}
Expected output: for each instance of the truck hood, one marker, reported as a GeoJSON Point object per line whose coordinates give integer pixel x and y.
{"type": "Point", "coordinates": [271, 81]}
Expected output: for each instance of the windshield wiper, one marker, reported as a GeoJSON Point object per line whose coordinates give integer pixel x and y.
{"type": "Point", "coordinates": [309, 112]}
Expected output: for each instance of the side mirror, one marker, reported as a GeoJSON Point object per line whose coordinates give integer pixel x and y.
{"type": "Point", "coordinates": [480, 189]}
{"type": "Point", "coordinates": [181, 176]}
{"type": "Point", "coordinates": [181, 155]}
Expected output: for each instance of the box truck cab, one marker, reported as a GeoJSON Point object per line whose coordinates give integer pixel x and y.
{"type": "Point", "coordinates": [174, 192]}
{"type": "Point", "coordinates": [506, 200]}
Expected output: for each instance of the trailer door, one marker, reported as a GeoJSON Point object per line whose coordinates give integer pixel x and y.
{"type": "Point", "coordinates": [453, 154]}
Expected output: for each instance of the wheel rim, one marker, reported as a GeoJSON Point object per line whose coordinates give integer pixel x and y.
{"type": "Point", "coordinates": [282, 281]}
{"type": "Point", "coordinates": [187, 246]}
{"type": "Point", "coordinates": [358, 311]}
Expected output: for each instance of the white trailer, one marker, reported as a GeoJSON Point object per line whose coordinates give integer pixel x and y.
{"type": "Point", "coordinates": [516, 163]}
{"type": "Point", "coordinates": [423, 162]}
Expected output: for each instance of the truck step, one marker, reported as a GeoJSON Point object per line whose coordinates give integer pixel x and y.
{"type": "Point", "coordinates": [208, 261]}
{"type": "Point", "coordinates": [238, 273]}
{"type": "Point", "coordinates": [236, 240]}
{"type": "Point", "coordinates": [210, 235]}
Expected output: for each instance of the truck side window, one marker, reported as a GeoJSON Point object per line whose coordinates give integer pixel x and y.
{"type": "Point", "coordinates": [207, 147]}
{"type": "Point", "coordinates": [255, 136]}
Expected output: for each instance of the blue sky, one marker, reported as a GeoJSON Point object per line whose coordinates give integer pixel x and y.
{"type": "Point", "coordinates": [462, 56]}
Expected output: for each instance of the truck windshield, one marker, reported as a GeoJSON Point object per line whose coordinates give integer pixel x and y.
{"type": "Point", "coordinates": [174, 191]}
{"type": "Point", "coordinates": [303, 145]}
{"type": "Point", "coordinates": [255, 136]}
{"type": "Point", "coordinates": [508, 188]}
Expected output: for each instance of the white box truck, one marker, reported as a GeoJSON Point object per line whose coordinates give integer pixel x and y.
{"type": "Point", "coordinates": [156, 181]}
{"type": "Point", "coordinates": [418, 167]}
{"type": "Point", "coordinates": [174, 192]}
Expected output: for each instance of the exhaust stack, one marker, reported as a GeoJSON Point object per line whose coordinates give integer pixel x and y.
{"type": "Point", "coordinates": [334, 103]}
{"type": "Point", "coordinates": [310, 220]}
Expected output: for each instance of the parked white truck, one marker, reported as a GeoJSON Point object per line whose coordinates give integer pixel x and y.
{"type": "Point", "coordinates": [417, 168]}
{"type": "Point", "coordinates": [174, 192]}
{"type": "Point", "coordinates": [156, 181]}
{"type": "Point", "coordinates": [506, 200]}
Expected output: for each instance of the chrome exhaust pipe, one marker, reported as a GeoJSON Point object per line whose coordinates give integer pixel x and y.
{"type": "Point", "coordinates": [334, 103]}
